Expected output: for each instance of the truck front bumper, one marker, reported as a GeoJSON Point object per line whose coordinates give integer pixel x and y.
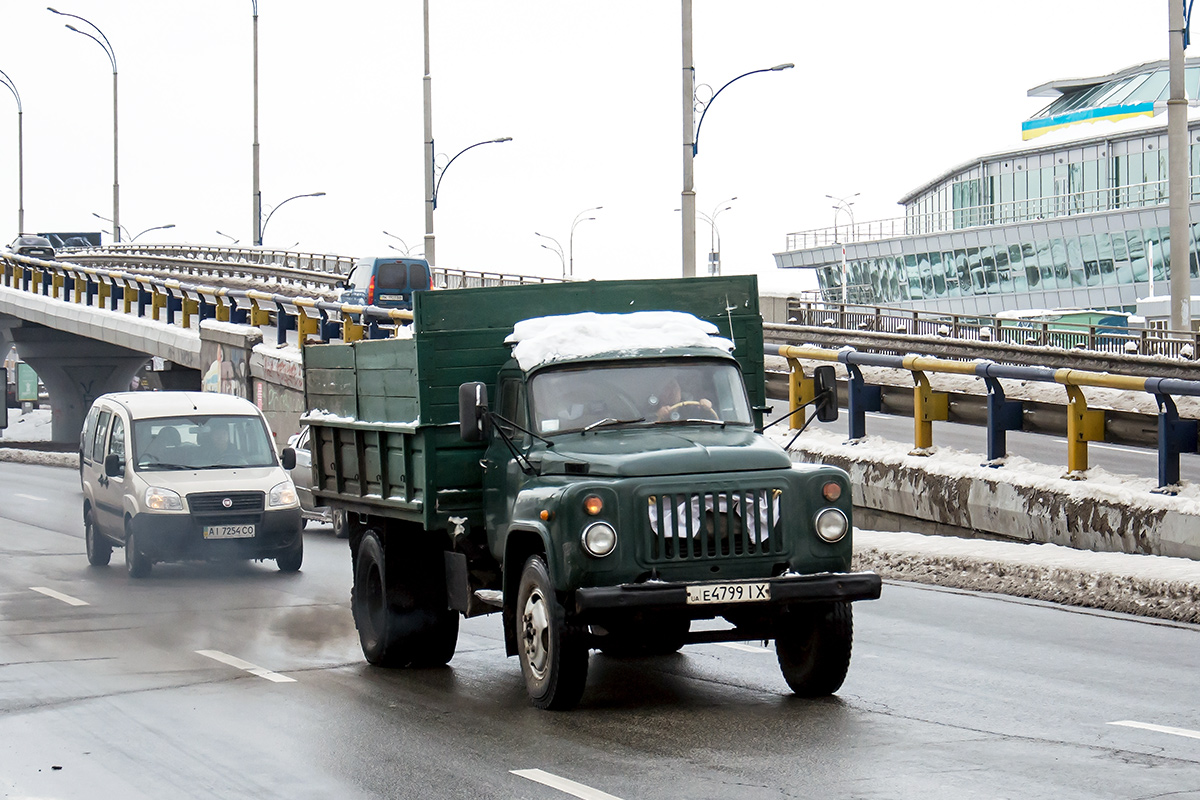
{"type": "Point", "coordinates": [785, 590]}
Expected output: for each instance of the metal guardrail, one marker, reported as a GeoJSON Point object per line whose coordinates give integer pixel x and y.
{"type": "Point", "coordinates": [974, 328]}
{"type": "Point", "coordinates": [1084, 425]}
{"type": "Point", "coordinates": [315, 262]}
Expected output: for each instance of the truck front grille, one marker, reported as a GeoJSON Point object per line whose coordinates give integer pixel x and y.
{"type": "Point", "coordinates": [215, 502]}
{"type": "Point", "coordinates": [714, 524]}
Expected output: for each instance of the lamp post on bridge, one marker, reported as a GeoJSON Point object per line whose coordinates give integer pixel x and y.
{"type": "Point", "coordinates": [155, 228]}
{"type": "Point", "coordinates": [406, 252]}
{"type": "Point", "coordinates": [12, 87]}
{"type": "Point", "coordinates": [116, 239]}
{"type": "Point", "coordinates": [843, 204]}
{"type": "Point", "coordinates": [691, 137]}
{"type": "Point", "coordinates": [557, 250]}
{"type": "Point", "coordinates": [255, 189]}
{"type": "Point", "coordinates": [263, 230]}
{"type": "Point", "coordinates": [435, 179]}
{"type": "Point", "coordinates": [571, 241]}
{"type": "Point", "coordinates": [112, 58]}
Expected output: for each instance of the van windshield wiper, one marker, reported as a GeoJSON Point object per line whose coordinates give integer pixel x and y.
{"type": "Point", "coordinates": [162, 466]}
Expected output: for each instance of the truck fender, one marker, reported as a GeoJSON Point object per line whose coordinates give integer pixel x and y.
{"type": "Point", "coordinates": [519, 544]}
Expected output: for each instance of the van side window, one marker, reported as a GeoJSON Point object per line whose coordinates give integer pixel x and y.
{"type": "Point", "coordinates": [116, 442]}
{"type": "Point", "coordinates": [87, 440]}
{"type": "Point", "coordinates": [98, 441]}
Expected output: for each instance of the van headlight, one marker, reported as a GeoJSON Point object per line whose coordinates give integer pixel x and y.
{"type": "Point", "coordinates": [599, 539]}
{"type": "Point", "coordinates": [282, 494]}
{"type": "Point", "coordinates": [831, 524]}
{"type": "Point", "coordinates": [159, 499]}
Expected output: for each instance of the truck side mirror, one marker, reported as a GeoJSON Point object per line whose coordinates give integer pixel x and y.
{"type": "Point", "coordinates": [288, 458]}
{"type": "Point", "coordinates": [472, 405]}
{"type": "Point", "coordinates": [114, 465]}
{"type": "Point", "coordinates": [825, 390]}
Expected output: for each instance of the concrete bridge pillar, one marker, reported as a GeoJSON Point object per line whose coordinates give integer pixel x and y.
{"type": "Point", "coordinates": [74, 370]}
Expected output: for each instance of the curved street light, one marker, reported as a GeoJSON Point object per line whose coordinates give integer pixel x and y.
{"type": "Point", "coordinates": [714, 259]}
{"type": "Point", "coordinates": [112, 58]}
{"type": "Point", "coordinates": [263, 230]}
{"type": "Point", "coordinates": [844, 204]}
{"type": "Point", "coordinates": [12, 87]}
{"type": "Point", "coordinates": [691, 145]}
{"type": "Point", "coordinates": [571, 242]}
{"type": "Point", "coordinates": [230, 238]}
{"type": "Point", "coordinates": [557, 250]}
{"type": "Point", "coordinates": [406, 251]}
{"type": "Point", "coordinates": [442, 173]}
{"type": "Point", "coordinates": [155, 228]}
{"type": "Point", "coordinates": [116, 238]}
{"type": "Point", "coordinates": [434, 175]}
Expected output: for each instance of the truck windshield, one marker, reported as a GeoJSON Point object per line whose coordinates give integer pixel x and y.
{"type": "Point", "coordinates": [201, 442]}
{"type": "Point", "coordinates": [651, 393]}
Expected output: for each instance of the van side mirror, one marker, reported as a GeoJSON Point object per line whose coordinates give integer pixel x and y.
{"type": "Point", "coordinates": [288, 458]}
{"type": "Point", "coordinates": [826, 393]}
{"type": "Point", "coordinates": [472, 407]}
{"type": "Point", "coordinates": [114, 465]}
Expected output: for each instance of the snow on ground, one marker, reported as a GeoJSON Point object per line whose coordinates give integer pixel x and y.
{"type": "Point", "coordinates": [31, 427]}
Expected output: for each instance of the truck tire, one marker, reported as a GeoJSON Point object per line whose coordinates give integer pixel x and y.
{"type": "Point", "coordinates": [401, 619]}
{"type": "Point", "coordinates": [813, 645]}
{"type": "Point", "coordinates": [554, 657]}
{"type": "Point", "coordinates": [341, 524]}
{"type": "Point", "coordinates": [137, 563]}
{"type": "Point", "coordinates": [99, 549]}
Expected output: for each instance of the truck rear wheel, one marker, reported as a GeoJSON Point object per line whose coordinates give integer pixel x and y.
{"type": "Point", "coordinates": [402, 619]}
{"type": "Point", "coordinates": [554, 658]}
{"type": "Point", "coordinates": [813, 645]}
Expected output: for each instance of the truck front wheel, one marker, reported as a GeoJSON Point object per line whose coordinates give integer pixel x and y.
{"type": "Point", "coordinates": [554, 658]}
{"type": "Point", "coordinates": [419, 632]}
{"type": "Point", "coordinates": [813, 645]}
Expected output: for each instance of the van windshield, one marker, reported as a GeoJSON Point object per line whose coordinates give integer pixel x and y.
{"type": "Point", "coordinates": [201, 442]}
{"type": "Point", "coordinates": [698, 392]}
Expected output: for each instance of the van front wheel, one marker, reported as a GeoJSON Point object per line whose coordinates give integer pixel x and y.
{"type": "Point", "coordinates": [137, 563]}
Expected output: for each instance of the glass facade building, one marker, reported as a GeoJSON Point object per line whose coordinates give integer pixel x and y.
{"type": "Point", "coordinates": [1077, 224]}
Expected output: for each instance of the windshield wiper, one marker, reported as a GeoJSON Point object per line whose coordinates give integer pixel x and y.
{"type": "Point", "coordinates": [689, 420]}
{"type": "Point", "coordinates": [162, 466]}
{"type": "Point", "coordinates": [600, 423]}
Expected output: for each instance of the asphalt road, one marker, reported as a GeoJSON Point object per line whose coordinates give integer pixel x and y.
{"type": "Point", "coordinates": [208, 681]}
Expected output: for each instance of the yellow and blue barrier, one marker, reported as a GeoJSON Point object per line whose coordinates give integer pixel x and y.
{"type": "Point", "coordinates": [1175, 436]}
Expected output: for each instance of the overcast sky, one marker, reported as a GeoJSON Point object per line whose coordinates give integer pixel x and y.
{"type": "Point", "coordinates": [884, 96]}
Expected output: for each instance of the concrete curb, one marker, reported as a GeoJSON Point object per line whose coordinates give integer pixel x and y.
{"type": "Point", "coordinates": [1147, 586]}
{"type": "Point", "coordinates": [45, 459]}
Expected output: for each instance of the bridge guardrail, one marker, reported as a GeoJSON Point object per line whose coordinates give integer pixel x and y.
{"type": "Point", "coordinates": [973, 328]}
{"type": "Point", "coordinates": [1175, 435]}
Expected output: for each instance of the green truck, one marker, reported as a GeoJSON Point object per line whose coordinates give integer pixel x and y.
{"type": "Point", "coordinates": [586, 459]}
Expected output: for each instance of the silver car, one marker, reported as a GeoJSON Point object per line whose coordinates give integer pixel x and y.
{"type": "Point", "coordinates": [302, 477]}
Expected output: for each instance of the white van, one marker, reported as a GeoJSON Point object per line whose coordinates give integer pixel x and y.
{"type": "Point", "coordinates": [174, 476]}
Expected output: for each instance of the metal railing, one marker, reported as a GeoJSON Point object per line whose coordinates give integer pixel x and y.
{"type": "Point", "coordinates": [1110, 339]}
{"type": "Point", "coordinates": [314, 262]}
{"type": "Point", "coordinates": [1175, 435]}
{"type": "Point", "coordinates": [1136, 195]}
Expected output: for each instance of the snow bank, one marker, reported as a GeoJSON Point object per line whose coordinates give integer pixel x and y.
{"type": "Point", "coordinates": [543, 340]}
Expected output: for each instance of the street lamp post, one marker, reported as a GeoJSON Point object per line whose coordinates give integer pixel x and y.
{"type": "Point", "coordinates": [571, 240]}
{"type": "Point", "coordinates": [435, 180]}
{"type": "Point", "coordinates": [691, 137]}
{"type": "Point", "coordinates": [230, 238]}
{"type": "Point", "coordinates": [112, 57]}
{"type": "Point", "coordinates": [843, 204]}
{"type": "Point", "coordinates": [406, 251]}
{"type": "Point", "coordinates": [714, 257]}
{"type": "Point", "coordinates": [12, 87]}
{"type": "Point", "coordinates": [116, 239]}
{"type": "Point", "coordinates": [255, 188]}
{"type": "Point", "coordinates": [263, 230]}
{"type": "Point", "coordinates": [557, 250]}
{"type": "Point", "coordinates": [155, 228]}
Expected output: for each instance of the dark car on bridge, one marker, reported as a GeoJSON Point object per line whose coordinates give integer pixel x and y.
{"type": "Point", "coordinates": [32, 246]}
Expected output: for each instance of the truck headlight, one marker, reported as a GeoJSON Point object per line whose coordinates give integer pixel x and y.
{"type": "Point", "coordinates": [160, 499]}
{"type": "Point", "coordinates": [831, 524]}
{"type": "Point", "coordinates": [282, 494]}
{"type": "Point", "coordinates": [599, 539]}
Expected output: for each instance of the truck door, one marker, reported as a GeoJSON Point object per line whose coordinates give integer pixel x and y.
{"type": "Point", "coordinates": [502, 474]}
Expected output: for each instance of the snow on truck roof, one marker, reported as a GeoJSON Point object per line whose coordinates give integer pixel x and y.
{"type": "Point", "coordinates": [543, 340]}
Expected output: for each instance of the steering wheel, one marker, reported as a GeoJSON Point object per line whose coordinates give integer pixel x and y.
{"type": "Point", "coordinates": [709, 411]}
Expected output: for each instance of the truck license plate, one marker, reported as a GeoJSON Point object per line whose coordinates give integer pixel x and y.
{"type": "Point", "coordinates": [728, 593]}
{"type": "Point", "coordinates": [228, 531]}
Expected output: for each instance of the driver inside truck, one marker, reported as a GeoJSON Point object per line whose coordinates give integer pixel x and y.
{"type": "Point", "coordinates": [673, 404]}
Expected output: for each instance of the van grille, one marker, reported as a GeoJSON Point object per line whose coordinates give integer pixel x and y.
{"type": "Point", "coordinates": [214, 502]}
{"type": "Point", "coordinates": [720, 523]}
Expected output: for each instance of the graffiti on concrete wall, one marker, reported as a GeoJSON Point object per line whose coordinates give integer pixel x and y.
{"type": "Point", "coordinates": [228, 369]}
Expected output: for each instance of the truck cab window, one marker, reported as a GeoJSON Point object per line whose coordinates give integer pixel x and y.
{"type": "Point", "coordinates": [511, 406]}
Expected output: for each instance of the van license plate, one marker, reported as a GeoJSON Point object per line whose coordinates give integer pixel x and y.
{"type": "Point", "coordinates": [228, 531]}
{"type": "Point", "coordinates": [728, 593]}
{"type": "Point", "coordinates": [392, 297]}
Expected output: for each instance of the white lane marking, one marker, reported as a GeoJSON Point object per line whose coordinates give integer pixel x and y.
{"type": "Point", "coordinates": [563, 785]}
{"type": "Point", "coordinates": [66, 598]}
{"type": "Point", "coordinates": [30, 497]}
{"type": "Point", "coordinates": [1146, 726]}
{"type": "Point", "coordinates": [253, 669]}
{"type": "Point", "coordinates": [745, 648]}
